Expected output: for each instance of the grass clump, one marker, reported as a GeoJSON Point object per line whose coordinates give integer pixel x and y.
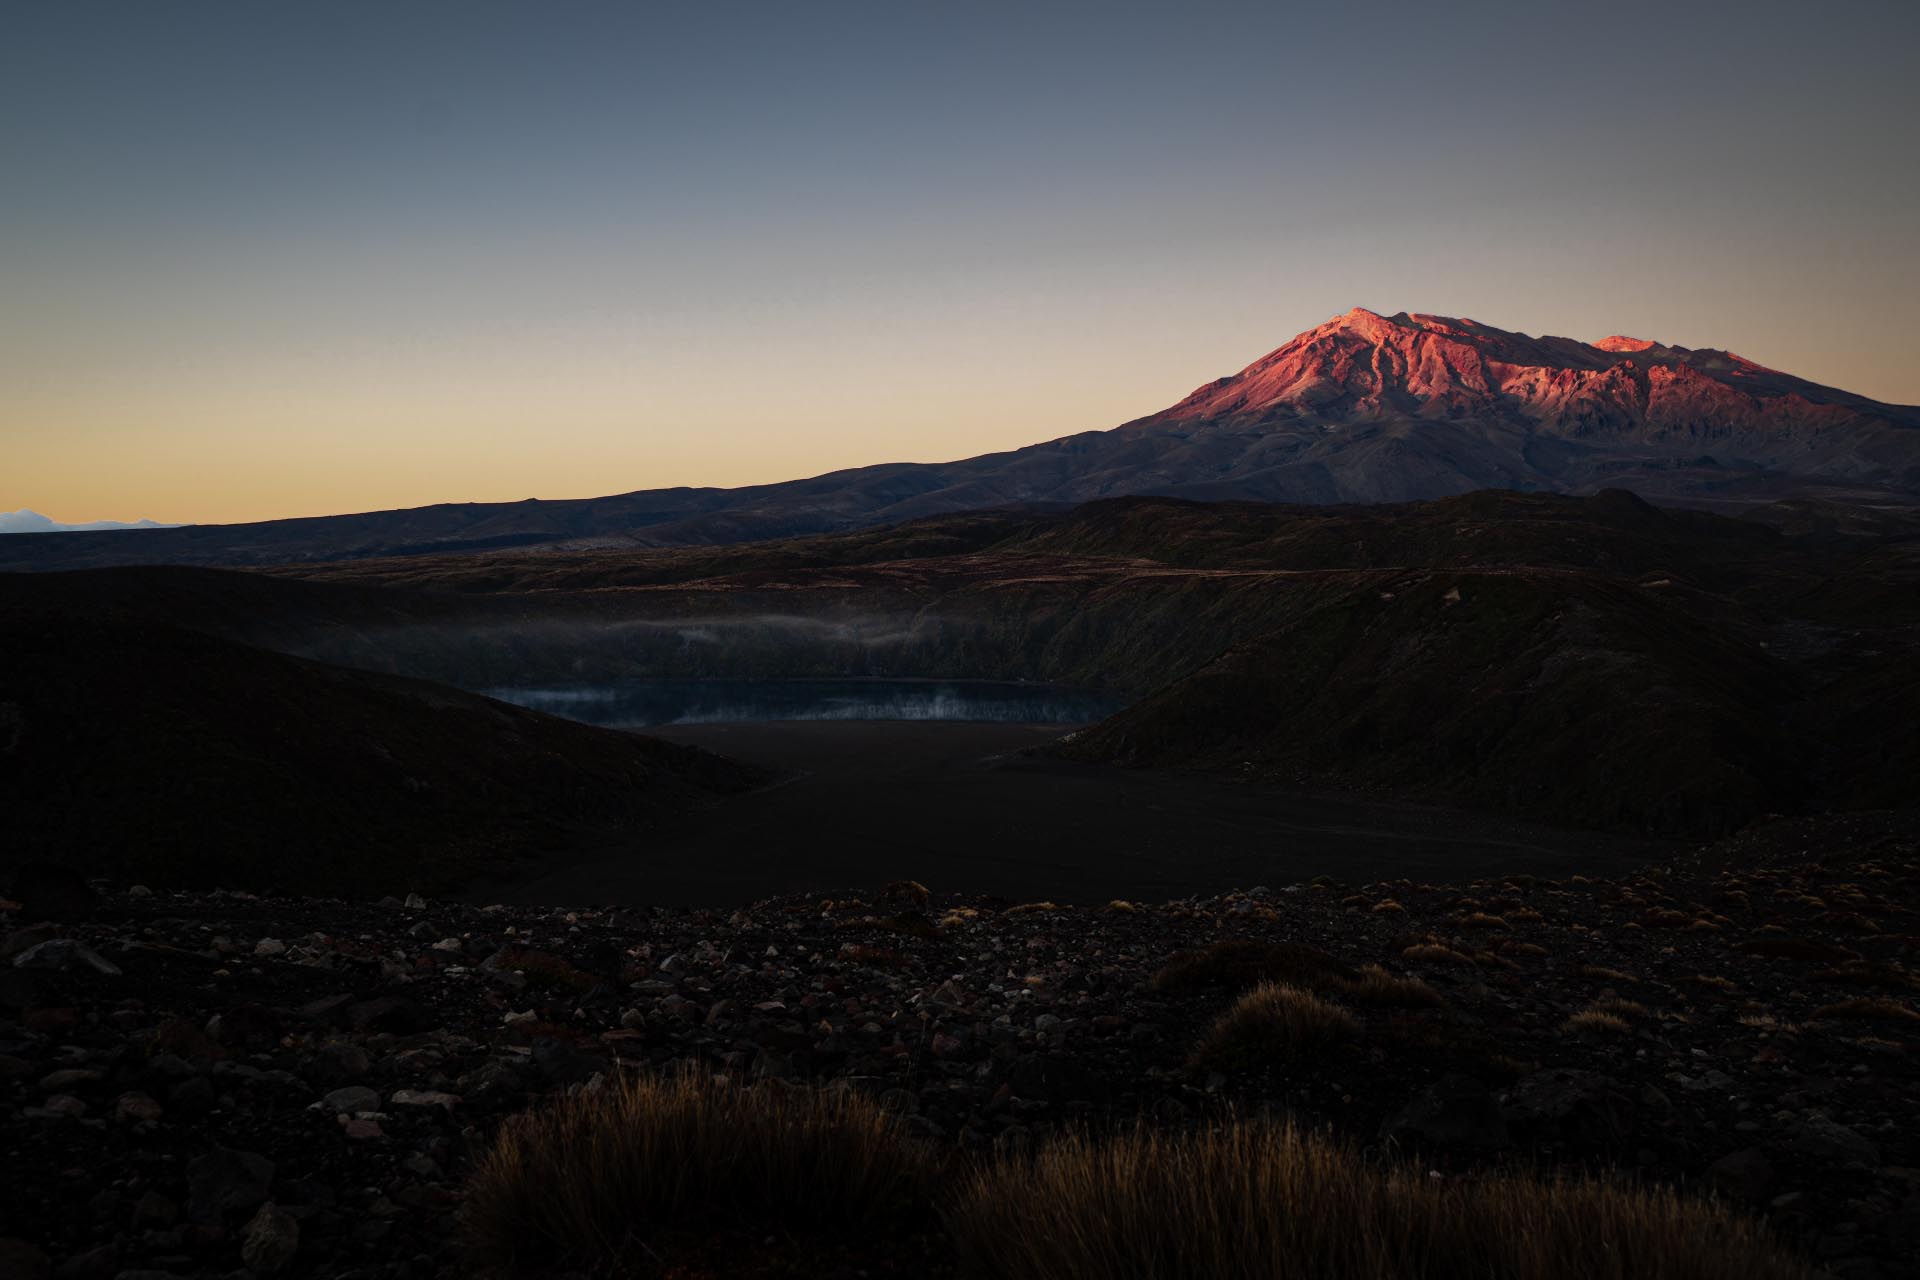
{"type": "Point", "coordinates": [1605, 974]}
{"type": "Point", "coordinates": [1262, 1199]}
{"type": "Point", "coordinates": [604, 1178]}
{"type": "Point", "coordinates": [1868, 1009]}
{"type": "Point", "coordinates": [1374, 985]}
{"type": "Point", "coordinates": [1433, 953]}
{"type": "Point", "coordinates": [1274, 1022]}
{"type": "Point", "coordinates": [1596, 1022]}
{"type": "Point", "coordinates": [1240, 963]}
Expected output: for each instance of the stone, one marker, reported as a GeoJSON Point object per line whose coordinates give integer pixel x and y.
{"type": "Point", "coordinates": [1571, 1106]}
{"type": "Point", "coordinates": [1746, 1174]}
{"type": "Point", "coordinates": [353, 1098]}
{"type": "Point", "coordinates": [136, 1108]}
{"type": "Point", "coordinates": [423, 1098]}
{"type": "Point", "coordinates": [1823, 1139]}
{"type": "Point", "coordinates": [225, 1181]}
{"type": "Point", "coordinates": [269, 947]}
{"type": "Point", "coordinates": [154, 1211]}
{"type": "Point", "coordinates": [19, 1258]}
{"type": "Point", "coordinates": [64, 955]}
{"type": "Point", "coordinates": [396, 1014]}
{"type": "Point", "coordinates": [1054, 1078]}
{"type": "Point", "coordinates": [194, 1094]}
{"type": "Point", "coordinates": [269, 1240]}
{"type": "Point", "coordinates": [1456, 1110]}
{"type": "Point", "coordinates": [491, 1078]}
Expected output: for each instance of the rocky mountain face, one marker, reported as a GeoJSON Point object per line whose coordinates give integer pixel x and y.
{"type": "Point", "coordinates": [1384, 408]}
{"type": "Point", "coordinates": [1364, 408]}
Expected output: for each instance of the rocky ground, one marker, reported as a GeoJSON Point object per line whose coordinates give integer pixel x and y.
{"type": "Point", "coordinates": [218, 1083]}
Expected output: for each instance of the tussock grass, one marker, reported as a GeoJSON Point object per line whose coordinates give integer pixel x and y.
{"type": "Point", "coordinates": [596, 1177]}
{"type": "Point", "coordinates": [1619, 1008]}
{"type": "Point", "coordinates": [1868, 1009]}
{"type": "Point", "coordinates": [1884, 978]}
{"type": "Point", "coordinates": [1261, 1199]}
{"type": "Point", "coordinates": [1273, 1023]}
{"type": "Point", "coordinates": [1596, 1022]}
{"type": "Point", "coordinates": [1241, 963]}
{"type": "Point", "coordinates": [1432, 953]}
{"type": "Point", "coordinates": [1375, 986]}
{"type": "Point", "coordinates": [1032, 908]}
{"type": "Point", "coordinates": [1605, 974]}
{"type": "Point", "coordinates": [1789, 948]}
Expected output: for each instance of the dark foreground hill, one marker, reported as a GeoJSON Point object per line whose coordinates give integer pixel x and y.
{"type": "Point", "coordinates": [1364, 408]}
{"type": "Point", "coordinates": [135, 747]}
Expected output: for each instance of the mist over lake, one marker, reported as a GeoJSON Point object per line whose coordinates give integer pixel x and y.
{"type": "Point", "coordinates": [639, 703]}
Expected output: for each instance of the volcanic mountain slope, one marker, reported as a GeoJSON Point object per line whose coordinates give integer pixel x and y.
{"type": "Point", "coordinates": [134, 747]}
{"type": "Point", "coordinates": [1364, 408]}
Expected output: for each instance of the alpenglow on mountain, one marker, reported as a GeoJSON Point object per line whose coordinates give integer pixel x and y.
{"type": "Point", "coordinates": [1364, 408]}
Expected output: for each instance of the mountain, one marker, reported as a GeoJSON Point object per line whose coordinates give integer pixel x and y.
{"type": "Point", "coordinates": [25, 521]}
{"type": "Point", "coordinates": [1364, 408]}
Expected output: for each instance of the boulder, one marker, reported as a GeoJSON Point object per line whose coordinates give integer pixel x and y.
{"type": "Point", "coordinates": [1456, 1110]}
{"type": "Point", "coordinates": [226, 1181]}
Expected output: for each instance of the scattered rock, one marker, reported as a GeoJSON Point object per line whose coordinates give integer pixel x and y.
{"type": "Point", "coordinates": [1456, 1110]}
{"type": "Point", "coordinates": [270, 1240]}
{"type": "Point", "coordinates": [225, 1181]}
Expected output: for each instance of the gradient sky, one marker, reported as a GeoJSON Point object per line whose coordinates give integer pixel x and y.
{"type": "Point", "coordinates": [272, 259]}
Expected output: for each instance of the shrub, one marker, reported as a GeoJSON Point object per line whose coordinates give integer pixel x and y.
{"type": "Point", "coordinates": [1274, 1022]}
{"type": "Point", "coordinates": [596, 1176]}
{"type": "Point", "coordinates": [1241, 963]}
{"type": "Point", "coordinates": [1262, 1199]}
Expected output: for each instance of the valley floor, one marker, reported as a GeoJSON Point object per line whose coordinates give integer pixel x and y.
{"type": "Point", "coordinates": [953, 804]}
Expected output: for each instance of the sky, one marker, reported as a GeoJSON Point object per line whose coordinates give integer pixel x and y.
{"type": "Point", "coordinates": [274, 260]}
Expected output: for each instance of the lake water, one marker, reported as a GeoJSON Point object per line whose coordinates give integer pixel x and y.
{"type": "Point", "coordinates": [635, 703]}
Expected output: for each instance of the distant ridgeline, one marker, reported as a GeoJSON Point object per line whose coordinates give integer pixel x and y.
{"type": "Point", "coordinates": [1364, 408]}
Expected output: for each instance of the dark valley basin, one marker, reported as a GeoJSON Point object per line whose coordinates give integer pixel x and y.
{"type": "Point", "coordinates": [633, 703]}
